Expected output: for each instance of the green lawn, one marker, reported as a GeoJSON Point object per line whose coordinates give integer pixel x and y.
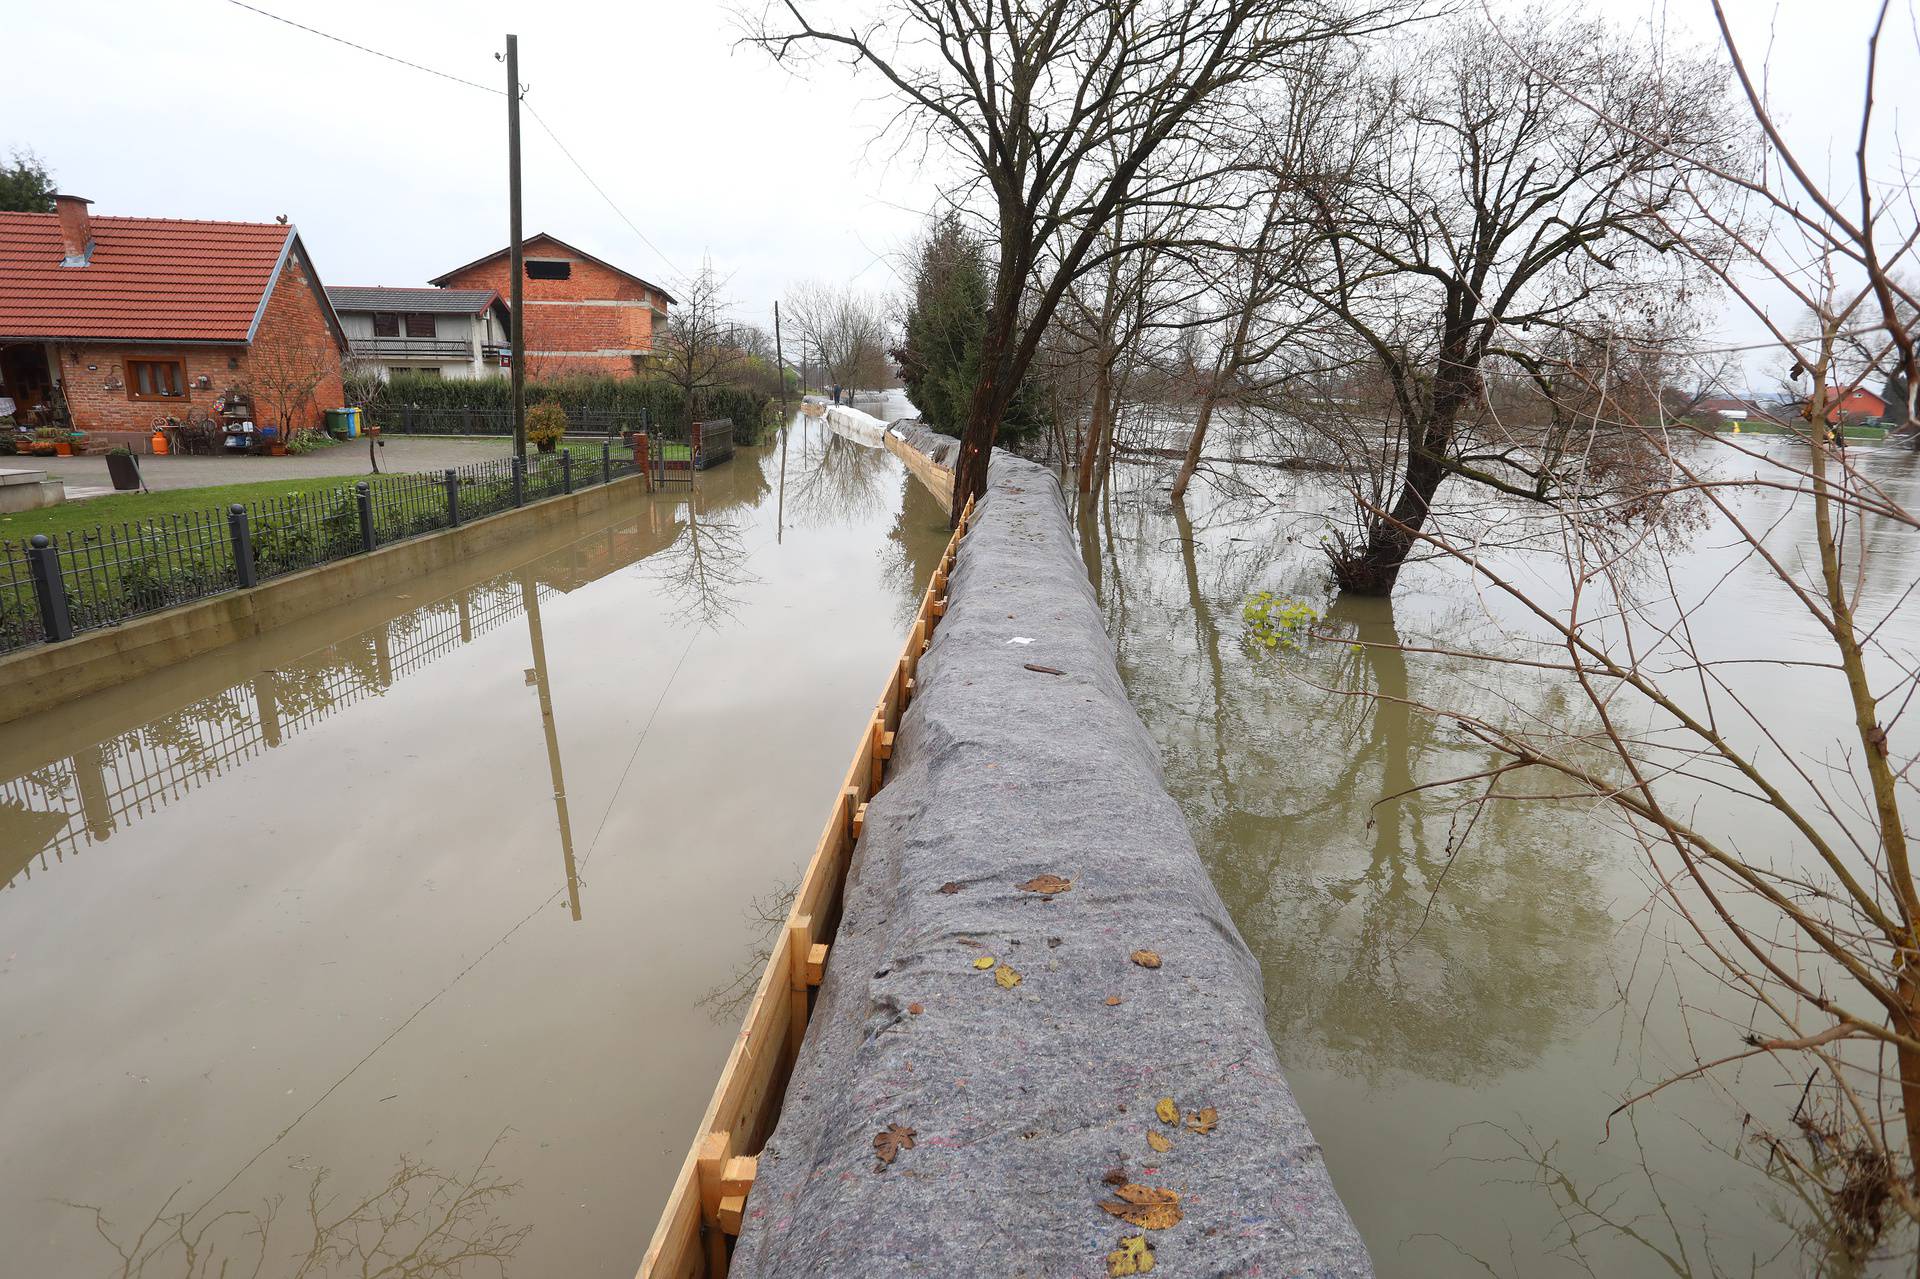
{"type": "Point", "coordinates": [121, 508]}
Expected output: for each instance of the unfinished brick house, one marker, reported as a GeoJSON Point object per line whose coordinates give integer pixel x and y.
{"type": "Point", "coordinates": [132, 319]}
{"type": "Point", "coordinates": [580, 314]}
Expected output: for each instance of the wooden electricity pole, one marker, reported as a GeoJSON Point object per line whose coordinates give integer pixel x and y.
{"type": "Point", "coordinates": [779, 361]}
{"type": "Point", "coordinates": [515, 265]}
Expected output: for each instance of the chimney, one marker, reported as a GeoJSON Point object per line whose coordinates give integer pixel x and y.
{"type": "Point", "coordinates": [76, 229]}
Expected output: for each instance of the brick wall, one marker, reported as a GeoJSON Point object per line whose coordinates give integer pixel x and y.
{"type": "Point", "coordinates": [94, 375]}
{"type": "Point", "coordinates": [568, 323]}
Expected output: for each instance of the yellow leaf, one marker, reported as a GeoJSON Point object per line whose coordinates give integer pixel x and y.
{"type": "Point", "coordinates": [1159, 1142]}
{"type": "Point", "coordinates": [1203, 1120]}
{"type": "Point", "coordinates": [1146, 958]}
{"type": "Point", "coordinates": [1147, 1207]}
{"type": "Point", "coordinates": [1168, 1112]}
{"type": "Point", "coordinates": [1130, 1258]}
{"type": "Point", "coordinates": [984, 962]}
{"type": "Point", "coordinates": [1046, 884]}
{"type": "Point", "coordinates": [1007, 977]}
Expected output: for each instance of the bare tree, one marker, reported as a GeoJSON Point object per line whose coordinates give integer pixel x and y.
{"type": "Point", "coordinates": [702, 350]}
{"type": "Point", "coordinates": [848, 330]}
{"type": "Point", "coordinates": [1482, 204]}
{"type": "Point", "coordinates": [1813, 920]}
{"type": "Point", "coordinates": [283, 377]}
{"type": "Point", "coordinates": [1052, 111]}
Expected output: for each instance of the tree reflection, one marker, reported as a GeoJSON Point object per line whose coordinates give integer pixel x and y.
{"type": "Point", "coordinates": [421, 1223]}
{"type": "Point", "coordinates": [1387, 945]}
{"type": "Point", "coordinates": [834, 480]}
{"type": "Point", "coordinates": [704, 569]}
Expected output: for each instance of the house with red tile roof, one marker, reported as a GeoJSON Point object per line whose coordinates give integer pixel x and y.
{"type": "Point", "coordinates": [579, 314]}
{"type": "Point", "coordinates": [127, 320]}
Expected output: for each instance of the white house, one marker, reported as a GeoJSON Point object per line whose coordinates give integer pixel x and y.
{"type": "Point", "coordinates": [458, 333]}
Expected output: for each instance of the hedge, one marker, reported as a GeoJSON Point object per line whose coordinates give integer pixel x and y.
{"type": "Point", "coordinates": [662, 400]}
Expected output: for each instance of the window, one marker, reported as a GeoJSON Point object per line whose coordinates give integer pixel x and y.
{"type": "Point", "coordinates": [547, 269]}
{"type": "Point", "coordinates": [156, 380]}
{"type": "Point", "coordinates": [420, 326]}
{"type": "Point", "coordinates": [427, 372]}
{"type": "Point", "coordinates": [385, 325]}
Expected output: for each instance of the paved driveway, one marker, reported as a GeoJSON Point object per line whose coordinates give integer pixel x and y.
{"type": "Point", "coordinates": [347, 460]}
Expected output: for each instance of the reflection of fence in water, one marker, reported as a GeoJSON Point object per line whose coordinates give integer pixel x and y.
{"type": "Point", "coordinates": [101, 788]}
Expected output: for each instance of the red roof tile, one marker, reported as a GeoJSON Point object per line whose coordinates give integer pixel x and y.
{"type": "Point", "coordinates": [150, 279]}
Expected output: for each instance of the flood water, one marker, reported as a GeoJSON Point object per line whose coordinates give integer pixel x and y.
{"type": "Point", "coordinates": [1459, 1015]}
{"type": "Point", "coordinates": [425, 923]}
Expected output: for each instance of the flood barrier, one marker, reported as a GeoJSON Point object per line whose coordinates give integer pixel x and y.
{"type": "Point", "coordinates": [1037, 1043]}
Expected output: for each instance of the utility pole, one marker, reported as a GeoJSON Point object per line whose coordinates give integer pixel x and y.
{"type": "Point", "coordinates": [514, 262]}
{"type": "Point", "coordinates": [779, 360]}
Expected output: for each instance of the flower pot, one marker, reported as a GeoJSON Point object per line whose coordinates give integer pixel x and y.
{"type": "Point", "coordinates": [124, 471]}
{"type": "Point", "coordinates": [63, 448]}
{"type": "Point", "coordinates": [276, 449]}
{"type": "Point", "coordinates": [548, 446]}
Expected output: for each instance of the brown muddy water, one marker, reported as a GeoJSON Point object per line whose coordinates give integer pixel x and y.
{"type": "Point", "coordinates": [1457, 1029]}
{"type": "Point", "coordinates": [422, 924]}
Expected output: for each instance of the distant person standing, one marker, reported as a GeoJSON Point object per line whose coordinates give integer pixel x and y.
{"type": "Point", "coordinates": [836, 392]}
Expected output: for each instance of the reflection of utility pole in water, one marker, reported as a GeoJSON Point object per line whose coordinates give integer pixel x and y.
{"type": "Point", "coordinates": [92, 781]}
{"type": "Point", "coordinates": [780, 523]}
{"type": "Point", "coordinates": [530, 600]}
{"type": "Point", "coordinates": [267, 704]}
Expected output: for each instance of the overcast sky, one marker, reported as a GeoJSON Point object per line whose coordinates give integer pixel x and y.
{"type": "Point", "coordinates": [200, 108]}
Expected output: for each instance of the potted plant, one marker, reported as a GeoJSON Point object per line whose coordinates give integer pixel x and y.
{"type": "Point", "coordinates": [41, 448]}
{"type": "Point", "coordinates": [123, 468]}
{"type": "Point", "coordinates": [58, 437]}
{"type": "Point", "coordinates": [546, 426]}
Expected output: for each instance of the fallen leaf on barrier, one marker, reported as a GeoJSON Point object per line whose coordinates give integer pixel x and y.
{"type": "Point", "coordinates": [1132, 1257]}
{"type": "Point", "coordinates": [1158, 1142]}
{"type": "Point", "coordinates": [893, 1139]}
{"type": "Point", "coordinates": [949, 888]}
{"type": "Point", "coordinates": [1007, 977]}
{"type": "Point", "coordinates": [1113, 1001]}
{"type": "Point", "coordinates": [1115, 1177]}
{"type": "Point", "coordinates": [1203, 1120]}
{"type": "Point", "coordinates": [984, 962]}
{"type": "Point", "coordinates": [1168, 1112]}
{"type": "Point", "coordinates": [1044, 670]}
{"type": "Point", "coordinates": [1046, 884]}
{"type": "Point", "coordinates": [1146, 958]}
{"type": "Point", "coordinates": [1147, 1207]}
{"type": "Point", "coordinates": [915, 1009]}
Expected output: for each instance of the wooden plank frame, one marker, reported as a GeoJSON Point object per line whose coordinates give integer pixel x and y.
{"type": "Point", "coordinates": [693, 1239]}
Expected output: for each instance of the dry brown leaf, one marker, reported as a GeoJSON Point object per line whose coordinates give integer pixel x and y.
{"type": "Point", "coordinates": [1007, 977]}
{"type": "Point", "coordinates": [893, 1139]}
{"type": "Point", "coordinates": [1113, 1001]}
{"type": "Point", "coordinates": [984, 962]}
{"type": "Point", "coordinates": [1115, 1177]}
{"type": "Point", "coordinates": [1168, 1112]}
{"type": "Point", "coordinates": [1132, 1257]}
{"type": "Point", "coordinates": [1203, 1120]}
{"type": "Point", "coordinates": [915, 1009]}
{"type": "Point", "coordinates": [949, 888]}
{"type": "Point", "coordinates": [1146, 958]}
{"type": "Point", "coordinates": [1046, 884]}
{"type": "Point", "coordinates": [1044, 670]}
{"type": "Point", "coordinates": [1148, 1207]}
{"type": "Point", "coordinates": [1159, 1141]}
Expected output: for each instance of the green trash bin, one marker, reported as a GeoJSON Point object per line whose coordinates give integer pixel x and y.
{"type": "Point", "coordinates": [343, 424]}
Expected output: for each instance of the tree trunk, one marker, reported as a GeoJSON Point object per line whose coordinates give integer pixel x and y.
{"type": "Point", "coordinates": [1191, 462]}
{"type": "Point", "coordinates": [991, 395]}
{"type": "Point", "coordinates": [1097, 420]}
{"type": "Point", "coordinates": [1390, 535]}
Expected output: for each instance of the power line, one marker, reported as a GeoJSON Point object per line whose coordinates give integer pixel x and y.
{"type": "Point", "coordinates": [474, 84]}
{"type": "Point", "coordinates": [471, 84]}
{"type": "Point", "coordinates": [621, 213]}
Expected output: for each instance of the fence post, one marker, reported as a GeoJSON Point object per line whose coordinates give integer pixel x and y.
{"type": "Point", "coordinates": [49, 590]}
{"type": "Point", "coordinates": [606, 461]}
{"type": "Point", "coordinates": [643, 457]}
{"type": "Point", "coordinates": [566, 471]}
{"type": "Point", "coordinates": [363, 496]}
{"type": "Point", "coordinates": [452, 481]}
{"type": "Point", "coordinates": [244, 573]}
{"type": "Point", "coordinates": [519, 480]}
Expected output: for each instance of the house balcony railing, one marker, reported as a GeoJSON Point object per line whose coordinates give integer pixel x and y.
{"type": "Point", "coordinates": [390, 348]}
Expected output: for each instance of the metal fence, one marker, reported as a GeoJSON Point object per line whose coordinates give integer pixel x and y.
{"type": "Point", "coordinates": [55, 588]}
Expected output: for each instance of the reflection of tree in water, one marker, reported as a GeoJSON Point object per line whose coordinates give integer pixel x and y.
{"type": "Point", "coordinates": [766, 915]}
{"type": "Point", "coordinates": [915, 542]}
{"type": "Point", "coordinates": [1381, 950]}
{"type": "Point", "coordinates": [422, 1223]}
{"type": "Point", "coordinates": [833, 480]}
{"type": "Point", "coordinates": [703, 571]}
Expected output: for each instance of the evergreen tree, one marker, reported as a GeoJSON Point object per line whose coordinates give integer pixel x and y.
{"type": "Point", "coordinates": [939, 357]}
{"type": "Point", "coordinates": [26, 186]}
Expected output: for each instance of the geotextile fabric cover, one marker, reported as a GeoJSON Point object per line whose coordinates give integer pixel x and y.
{"type": "Point", "coordinates": [1030, 1101]}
